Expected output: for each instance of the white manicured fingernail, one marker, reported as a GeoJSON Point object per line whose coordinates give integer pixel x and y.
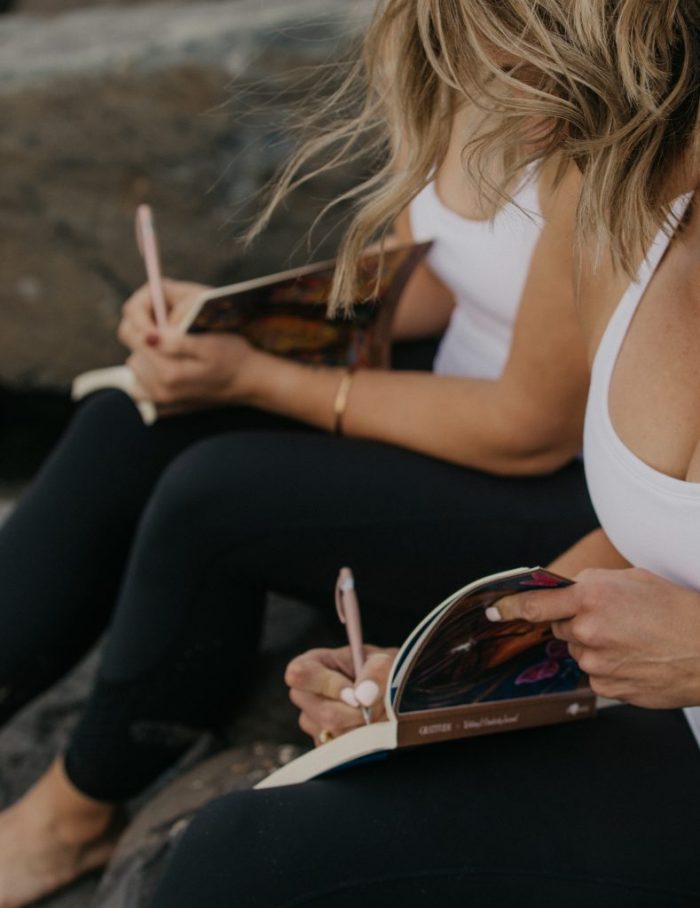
{"type": "Point", "coordinates": [367, 692]}
{"type": "Point", "coordinates": [347, 695]}
{"type": "Point", "coordinates": [493, 614]}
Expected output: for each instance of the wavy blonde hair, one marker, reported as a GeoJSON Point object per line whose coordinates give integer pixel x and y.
{"type": "Point", "coordinates": [612, 85]}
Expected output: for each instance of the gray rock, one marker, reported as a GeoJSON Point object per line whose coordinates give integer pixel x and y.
{"type": "Point", "coordinates": [135, 869]}
{"type": "Point", "coordinates": [185, 105]}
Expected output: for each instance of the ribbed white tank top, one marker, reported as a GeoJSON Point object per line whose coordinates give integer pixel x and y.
{"type": "Point", "coordinates": [484, 264]}
{"type": "Point", "coordinates": [652, 519]}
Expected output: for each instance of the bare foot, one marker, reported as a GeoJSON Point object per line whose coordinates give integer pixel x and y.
{"type": "Point", "coordinates": [50, 837]}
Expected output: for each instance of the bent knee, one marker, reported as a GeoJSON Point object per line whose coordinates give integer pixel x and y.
{"type": "Point", "coordinates": [220, 828]}
{"type": "Point", "coordinates": [216, 483]}
{"type": "Point", "coordinates": [106, 412]}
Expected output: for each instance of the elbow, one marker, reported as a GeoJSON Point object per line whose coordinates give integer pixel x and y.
{"type": "Point", "coordinates": [534, 441]}
{"type": "Point", "coordinates": [539, 462]}
{"type": "Point", "coordinates": [532, 456]}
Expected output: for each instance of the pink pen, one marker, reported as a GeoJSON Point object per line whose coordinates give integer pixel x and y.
{"type": "Point", "coordinates": [148, 247]}
{"type": "Point", "coordinates": [349, 613]}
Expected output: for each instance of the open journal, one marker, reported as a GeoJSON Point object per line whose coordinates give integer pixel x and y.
{"type": "Point", "coordinates": [285, 314]}
{"type": "Point", "coordinates": [458, 675]}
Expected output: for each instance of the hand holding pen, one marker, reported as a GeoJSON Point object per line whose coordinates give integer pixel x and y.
{"type": "Point", "coordinates": [338, 689]}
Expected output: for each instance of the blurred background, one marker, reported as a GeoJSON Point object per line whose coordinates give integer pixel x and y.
{"type": "Point", "coordinates": [109, 103]}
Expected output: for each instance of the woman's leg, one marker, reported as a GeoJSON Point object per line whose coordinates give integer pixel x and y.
{"type": "Point", "coordinates": [242, 513]}
{"type": "Point", "coordinates": [64, 548]}
{"type": "Point", "coordinates": [600, 813]}
{"type": "Point", "coordinates": [62, 556]}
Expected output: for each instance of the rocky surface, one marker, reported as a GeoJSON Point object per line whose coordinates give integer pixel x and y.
{"type": "Point", "coordinates": [263, 737]}
{"type": "Point", "coordinates": [136, 867]}
{"type": "Point", "coordinates": [185, 105]}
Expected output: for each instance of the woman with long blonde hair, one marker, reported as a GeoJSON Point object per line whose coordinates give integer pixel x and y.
{"type": "Point", "coordinates": [597, 813]}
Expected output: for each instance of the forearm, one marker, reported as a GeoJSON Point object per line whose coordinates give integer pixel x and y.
{"type": "Point", "coordinates": [593, 551]}
{"type": "Point", "coordinates": [460, 420]}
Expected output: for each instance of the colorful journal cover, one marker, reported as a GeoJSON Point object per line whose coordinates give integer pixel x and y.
{"type": "Point", "coordinates": [286, 314]}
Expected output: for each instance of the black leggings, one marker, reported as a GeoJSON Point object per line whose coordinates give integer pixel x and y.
{"type": "Point", "coordinates": [171, 536]}
{"type": "Point", "coordinates": [600, 814]}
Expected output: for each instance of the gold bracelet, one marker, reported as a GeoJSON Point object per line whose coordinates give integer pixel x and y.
{"type": "Point", "coordinates": [341, 401]}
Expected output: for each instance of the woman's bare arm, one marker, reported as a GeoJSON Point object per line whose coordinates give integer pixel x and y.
{"type": "Point", "coordinates": [528, 421]}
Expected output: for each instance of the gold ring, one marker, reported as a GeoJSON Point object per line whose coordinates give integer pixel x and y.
{"type": "Point", "coordinates": [324, 736]}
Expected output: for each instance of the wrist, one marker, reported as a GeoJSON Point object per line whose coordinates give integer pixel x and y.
{"type": "Point", "coordinates": [296, 390]}
{"type": "Point", "coordinates": [247, 386]}
{"type": "Point", "coordinates": [341, 400]}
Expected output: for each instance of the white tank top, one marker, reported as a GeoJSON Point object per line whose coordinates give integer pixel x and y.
{"type": "Point", "coordinates": [652, 519]}
{"type": "Point", "coordinates": [484, 264]}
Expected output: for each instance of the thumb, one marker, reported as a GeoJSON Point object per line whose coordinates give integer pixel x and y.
{"type": "Point", "coordinates": [371, 683]}
{"type": "Point", "coordinates": [174, 343]}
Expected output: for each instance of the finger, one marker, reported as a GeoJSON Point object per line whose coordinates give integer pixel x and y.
{"type": "Point", "coordinates": [174, 343]}
{"type": "Point", "coordinates": [372, 680]}
{"type": "Point", "coordinates": [576, 652]}
{"type": "Point", "coordinates": [309, 673]}
{"type": "Point", "coordinates": [370, 649]}
{"type": "Point", "coordinates": [611, 688]}
{"type": "Point", "coordinates": [597, 666]}
{"type": "Point", "coordinates": [536, 606]}
{"type": "Point", "coordinates": [179, 298]}
{"type": "Point", "coordinates": [158, 376]}
{"type": "Point", "coordinates": [132, 332]}
{"type": "Point", "coordinates": [137, 321]}
{"type": "Point", "coordinates": [377, 667]}
{"type": "Point", "coordinates": [341, 660]}
{"type": "Point", "coordinates": [563, 630]}
{"type": "Point", "coordinates": [309, 728]}
{"type": "Point", "coordinates": [128, 335]}
{"type": "Point", "coordinates": [140, 300]}
{"type": "Point", "coordinates": [139, 304]}
{"type": "Point", "coordinates": [332, 715]}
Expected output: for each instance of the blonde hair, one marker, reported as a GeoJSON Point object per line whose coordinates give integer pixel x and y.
{"type": "Point", "coordinates": [612, 85]}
